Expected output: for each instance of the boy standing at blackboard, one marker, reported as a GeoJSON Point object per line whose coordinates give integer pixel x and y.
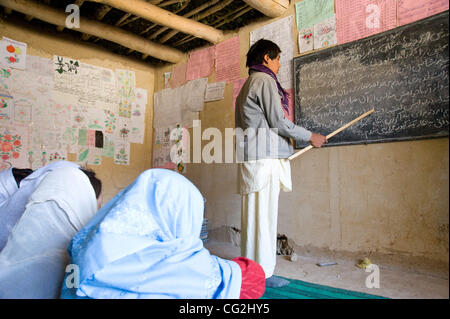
{"type": "Point", "coordinates": [265, 169]}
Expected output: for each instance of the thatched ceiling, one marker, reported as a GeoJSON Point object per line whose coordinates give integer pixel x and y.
{"type": "Point", "coordinates": [223, 15]}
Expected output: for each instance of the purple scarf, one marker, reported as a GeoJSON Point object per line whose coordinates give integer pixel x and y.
{"type": "Point", "coordinates": [283, 93]}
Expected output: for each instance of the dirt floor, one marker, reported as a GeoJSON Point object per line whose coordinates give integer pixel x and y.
{"type": "Point", "coordinates": [400, 277]}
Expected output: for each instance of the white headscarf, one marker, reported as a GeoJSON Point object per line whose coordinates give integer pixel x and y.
{"type": "Point", "coordinates": [8, 185]}
{"type": "Point", "coordinates": [12, 208]}
{"type": "Point", "coordinates": [32, 264]}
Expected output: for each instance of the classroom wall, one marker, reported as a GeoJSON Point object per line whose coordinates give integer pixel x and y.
{"type": "Point", "coordinates": [388, 198]}
{"type": "Point", "coordinates": [46, 44]}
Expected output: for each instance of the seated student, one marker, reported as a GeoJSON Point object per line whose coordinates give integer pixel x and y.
{"type": "Point", "coordinates": [32, 264]}
{"type": "Point", "coordinates": [145, 243]}
{"type": "Point", "coordinates": [10, 181]}
{"type": "Point", "coordinates": [16, 186]}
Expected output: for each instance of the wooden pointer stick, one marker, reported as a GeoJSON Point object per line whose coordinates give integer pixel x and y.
{"type": "Point", "coordinates": [332, 134]}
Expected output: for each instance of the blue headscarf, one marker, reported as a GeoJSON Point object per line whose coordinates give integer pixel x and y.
{"type": "Point", "coordinates": [145, 243]}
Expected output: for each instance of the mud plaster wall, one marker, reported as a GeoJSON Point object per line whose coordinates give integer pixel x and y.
{"type": "Point", "coordinates": [388, 198]}
{"type": "Point", "coordinates": [42, 43]}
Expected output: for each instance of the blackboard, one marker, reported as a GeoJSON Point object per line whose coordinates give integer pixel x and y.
{"type": "Point", "coordinates": [401, 73]}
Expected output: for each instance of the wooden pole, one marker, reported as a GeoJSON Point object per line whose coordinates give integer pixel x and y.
{"type": "Point", "coordinates": [96, 28]}
{"type": "Point", "coordinates": [166, 18]}
{"type": "Point", "coordinates": [332, 134]}
{"type": "Point", "coordinates": [270, 8]}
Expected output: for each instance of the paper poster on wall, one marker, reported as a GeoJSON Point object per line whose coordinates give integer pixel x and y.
{"type": "Point", "coordinates": [39, 65]}
{"type": "Point", "coordinates": [228, 60]}
{"type": "Point", "coordinates": [357, 19]}
{"type": "Point", "coordinates": [215, 91]}
{"type": "Point", "coordinates": [13, 53]}
{"type": "Point", "coordinates": [192, 95]}
{"type": "Point", "coordinates": [121, 152]}
{"type": "Point", "coordinates": [412, 10]}
{"type": "Point", "coordinates": [70, 138]}
{"type": "Point", "coordinates": [279, 32]}
{"type": "Point", "coordinates": [56, 155]}
{"type": "Point", "coordinates": [13, 146]}
{"type": "Point", "coordinates": [178, 76]}
{"type": "Point", "coordinates": [310, 12]}
{"type": "Point", "coordinates": [6, 109]}
{"type": "Point", "coordinates": [110, 122]}
{"type": "Point", "coordinates": [306, 40]}
{"type": "Point", "coordinates": [108, 146]}
{"type": "Point", "coordinates": [79, 116]}
{"type": "Point", "coordinates": [96, 119]}
{"type": "Point", "coordinates": [325, 33]}
{"type": "Point", "coordinates": [123, 129]}
{"type": "Point", "coordinates": [5, 74]}
{"type": "Point", "coordinates": [23, 109]}
{"type": "Point", "coordinates": [126, 88]}
{"type": "Point", "coordinates": [167, 110]}
{"type": "Point", "coordinates": [89, 156]}
{"type": "Point", "coordinates": [200, 63]}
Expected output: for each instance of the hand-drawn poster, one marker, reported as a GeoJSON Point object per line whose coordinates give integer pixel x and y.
{"type": "Point", "coordinates": [121, 152]}
{"type": "Point", "coordinates": [110, 122]}
{"type": "Point", "coordinates": [325, 33]}
{"type": "Point", "coordinates": [6, 109]}
{"type": "Point", "coordinates": [13, 146]}
{"type": "Point", "coordinates": [96, 119]}
{"type": "Point", "coordinates": [108, 146]}
{"type": "Point", "coordinates": [126, 88]}
{"type": "Point", "coordinates": [81, 83]}
{"type": "Point", "coordinates": [79, 116]}
{"type": "Point", "coordinates": [123, 129]}
{"type": "Point", "coordinates": [357, 19]}
{"type": "Point", "coordinates": [306, 40]}
{"type": "Point", "coordinates": [279, 32]}
{"type": "Point", "coordinates": [23, 109]}
{"type": "Point", "coordinates": [412, 10]}
{"type": "Point", "coordinates": [39, 65]}
{"type": "Point", "coordinates": [310, 12]}
{"type": "Point", "coordinates": [13, 53]}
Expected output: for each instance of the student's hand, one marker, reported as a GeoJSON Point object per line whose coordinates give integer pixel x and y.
{"type": "Point", "coordinates": [317, 140]}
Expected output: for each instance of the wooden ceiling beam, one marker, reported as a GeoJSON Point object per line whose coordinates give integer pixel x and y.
{"type": "Point", "coordinates": [127, 39]}
{"type": "Point", "coordinates": [166, 18]}
{"type": "Point", "coordinates": [270, 8]}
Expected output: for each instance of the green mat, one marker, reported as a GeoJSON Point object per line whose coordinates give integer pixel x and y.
{"type": "Point", "coordinates": [298, 289]}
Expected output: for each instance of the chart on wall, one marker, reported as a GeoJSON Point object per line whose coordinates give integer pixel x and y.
{"type": "Point", "coordinates": [54, 107]}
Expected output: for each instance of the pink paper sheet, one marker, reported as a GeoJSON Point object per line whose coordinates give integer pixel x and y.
{"type": "Point", "coordinates": [178, 76]}
{"type": "Point", "coordinates": [228, 60]}
{"type": "Point", "coordinates": [356, 19]}
{"type": "Point", "coordinates": [412, 10]}
{"type": "Point", "coordinates": [201, 63]}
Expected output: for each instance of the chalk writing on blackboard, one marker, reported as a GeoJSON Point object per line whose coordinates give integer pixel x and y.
{"type": "Point", "coordinates": [402, 73]}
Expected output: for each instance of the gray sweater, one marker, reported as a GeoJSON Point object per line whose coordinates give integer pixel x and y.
{"type": "Point", "coordinates": [259, 116]}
